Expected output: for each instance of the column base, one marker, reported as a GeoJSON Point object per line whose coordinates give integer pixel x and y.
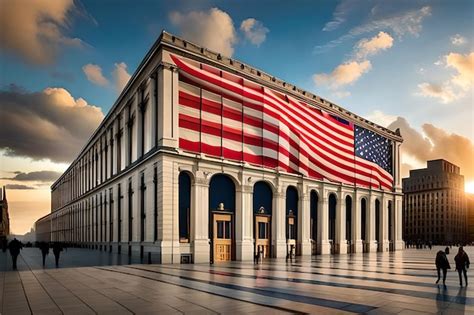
{"type": "Point", "coordinates": [372, 246]}
{"type": "Point", "coordinates": [324, 248]}
{"type": "Point", "coordinates": [399, 245]}
{"type": "Point", "coordinates": [306, 248]}
{"type": "Point", "coordinates": [170, 252]}
{"type": "Point", "coordinates": [279, 249]}
{"type": "Point", "coordinates": [244, 250]}
{"type": "Point", "coordinates": [358, 246]}
{"type": "Point", "coordinates": [201, 251]}
{"type": "Point", "coordinates": [342, 248]}
{"type": "Point", "coordinates": [384, 246]}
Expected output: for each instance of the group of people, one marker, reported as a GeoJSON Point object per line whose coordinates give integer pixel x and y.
{"type": "Point", "coordinates": [15, 246]}
{"type": "Point", "coordinates": [461, 260]}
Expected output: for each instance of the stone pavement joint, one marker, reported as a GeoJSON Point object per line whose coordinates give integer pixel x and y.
{"type": "Point", "coordinates": [95, 282]}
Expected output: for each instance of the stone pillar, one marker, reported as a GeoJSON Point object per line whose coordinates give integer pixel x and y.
{"type": "Point", "coordinates": [384, 224]}
{"type": "Point", "coordinates": [398, 223]}
{"type": "Point", "coordinates": [341, 242]}
{"type": "Point", "coordinates": [153, 110]}
{"type": "Point", "coordinates": [243, 223]}
{"type": "Point", "coordinates": [200, 219]}
{"type": "Point", "coordinates": [168, 92]}
{"type": "Point", "coordinates": [324, 247]}
{"type": "Point", "coordinates": [149, 205]}
{"type": "Point", "coordinates": [357, 223]}
{"type": "Point", "coordinates": [372, 244]}
{"type": "Point", "coordinates": [304, 219]}
{"type": "Point", "coordinates": [279, 224]}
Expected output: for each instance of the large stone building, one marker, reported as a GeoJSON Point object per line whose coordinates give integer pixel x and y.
{"type": "Point", "coordinates": [434, 204]}
{"type": "Point", "coordinates": [4, 216]}
{"type": "Point", "coordinates": [204, 158]}
{"type": "Point", "coordinates": [470, 217]}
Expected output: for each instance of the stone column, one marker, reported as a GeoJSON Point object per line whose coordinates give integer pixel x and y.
{"type": "Point", "coordinates": [341, 242]}
{"type": "Point", "coordinates": [398, 223]}
{"type": "Point", "coordinates": [153, 109]}
{"type": "Point", "coordinates": [324, 247]}
{"type": "Point", "coordinates": [279, 224]}
{"type": "Point", "coordinates": [200, 218]}
{"type": "Point", "coordinates": [384, 224]}
{"type": "Point", "coordinates": [304, 219]}
{"type": "Point", "coordinates": [243, 223]}
{"type": "Point", "coordinates": [357, 223]}
{"type": "Point", "coordinates": [372, 244]}
{"type": "Point", "coordinates": [168, 92]}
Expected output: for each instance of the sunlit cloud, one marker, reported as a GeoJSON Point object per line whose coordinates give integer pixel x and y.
{"type": "Point", "coordinates": [50, 124]}
{"type": "Point", "coordinates": [213, 29]}
{"type": "Point", "coordinates": [120, 76]}
{"type": "Point", "coordinates": [443, 92]}
{"type": "Point", "coordinates": [464, 65]}
{"type": "Point", "coordinates": [381, 118]}
{"type": "Point", "coordinates": [344, 74]}
{"type": "Point", "coordinates": [35, 30]}
{"type": "Point", "coordinates": [368, 47]}
{"type": "Point", "coordinates": [254, 31]}
{"type": "Point", "coordinates": [36, 176]}
{"type": "Point", "coordinates": [94, 74]}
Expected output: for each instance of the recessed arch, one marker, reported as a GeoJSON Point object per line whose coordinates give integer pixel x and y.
{"type": "Point", "coordinates": [332, 202]}
{"type": "Point", "coordinates": [184, 183]}
{"type": "Point", "coordinates": [262, 197]}
{"type": "Point", "coordinates": [222, 190]}
{"type": "Point", "coordinates": [377, 222]}
{"type": "Point", "coordinates": [349, 219]}
{"type": "Point", "coordinates": [313, 206]}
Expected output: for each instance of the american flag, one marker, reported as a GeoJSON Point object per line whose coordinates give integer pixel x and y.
{"type": "Point", "coordinates": [224, 115]}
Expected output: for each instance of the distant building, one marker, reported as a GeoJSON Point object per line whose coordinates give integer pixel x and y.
{"type": "Point", "coordinates": [4, 216]}
{"type": "Point", "coordinates": [434, 203]}
{"type": "Point", "coordinates": [470, 217]}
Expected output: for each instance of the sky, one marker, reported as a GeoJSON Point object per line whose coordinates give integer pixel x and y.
{"type": "Point", "coordinates": [401, 64]}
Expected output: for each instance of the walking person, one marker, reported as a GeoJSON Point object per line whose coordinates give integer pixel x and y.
{"type": "Point", "coordinates": [15, 246]}
{"type": "Point", "coordinates": [44, 248]}
{"type": "Point", "coordinates": [57, 249]}
{"type": "Point", "coordinates": [442, 263]}
{"type": "Point", "coordinates": [462, 263]}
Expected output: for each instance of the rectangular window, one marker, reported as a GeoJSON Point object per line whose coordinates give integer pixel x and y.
{"type": "Point", "coordinates": [155, 204]}
{"type": "Point", "coordinates": [130, 210]}
{"type": "Point", "coordinates": [142, 207]}
{"type": "Point", "coordinates": [119, 213]}
{"type": "Point", "coordinates": [111, 215]}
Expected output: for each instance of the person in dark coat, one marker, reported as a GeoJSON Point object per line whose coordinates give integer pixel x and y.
{"type": "Point", "coordinates": [44, 248]}
{"type": "Point", "coordinates": [57, 249]}
{"type": "Point", "coordinates": [15, 246]}
{"type": "Point", "coordinates": [442, 263]}
{"type": "Point", "coordinates": [462, 263]}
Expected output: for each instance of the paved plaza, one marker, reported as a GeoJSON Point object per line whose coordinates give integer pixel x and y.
{"type": "Point", "coordinates": [383, 283]}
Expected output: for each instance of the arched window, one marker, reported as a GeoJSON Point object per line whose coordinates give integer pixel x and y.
{"type": "Point", "coordinates": [377, 221]}
{"type": "Point", "coordinates": [291, 211]}
{"type": "Point", "coordinates": [184, 206]}
{"type": "Point", "coordinates": [222, 190]}
{"type": "Point", "coordinates": [313, 205]}
{"type": "Point", "coordinates": [262, 198]}
{"type": "Point", "coordinates": [348, 218]}
{"type": "Point", "coordinates": [332, 216]}
{"type": "Point", "coordinates": [363, 218]}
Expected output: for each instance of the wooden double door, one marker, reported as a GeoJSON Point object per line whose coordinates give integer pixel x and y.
{"type": "Point", "coordinates": [263, 235]}
{"type": "Point", "coordinates": [223, 235]}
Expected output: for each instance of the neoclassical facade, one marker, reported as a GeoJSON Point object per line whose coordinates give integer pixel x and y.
{"type": "Point", "coordinates": [204, 159]}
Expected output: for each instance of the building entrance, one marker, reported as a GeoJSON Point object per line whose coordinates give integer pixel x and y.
{"type": "Point", "coordinates": [222, 237]}
{"type": "Point", "coordinates": [263, 235]}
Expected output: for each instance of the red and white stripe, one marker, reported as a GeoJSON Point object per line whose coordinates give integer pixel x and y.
{"type": "Point", "coordinates": [222, 114]}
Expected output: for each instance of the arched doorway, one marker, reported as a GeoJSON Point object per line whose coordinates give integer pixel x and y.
{"type": "Point", "coordinates": [332, 221]}
{"type": "Point", "coordinates": [378, 225]}
{"type": "Point", "coordinates": [363, 223]}
{"type": "Point", "coordinates": [262, 209]}
{"type": "Point", "coordinates": [349, 238]}
{"type": "Point", "coordinates": [313, 205]}
{"type": "Point", "coordinates": [222, 212]}
{"type": "Point", "coordinates": [184, 207]}
{"type": "Point", "coordinates": [291, 220]}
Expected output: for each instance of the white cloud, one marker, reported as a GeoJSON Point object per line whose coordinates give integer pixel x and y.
{"type": "Point", "coordinates": [213, 29]}
{"type": "Point", "coordinates": [339, 16]}
{"type": "Point", "coordinates": [34, 30]}
{"type": "Point", "coordinates": [344, 74]}
{"type": "Point", "coordinates": [458, 40]}
{"type": "Point", "coordinates": [407, 22]}
{"type": "Point", "coordinates": [120, 76]}
{"type": "Point", "coordinates": [381, 118]}
{"type": "Point", "coordinates": [443, 92]}
{"type": "Point", "coordinates": [340, 94]}
{"type": "Point", "coordinates": [464, 65]}
{"type": "Point", "coordinates": [368, 47]}
{"type": "Point", "coordinates": [94, 74]}
{"type": "Point", "coordinates": [254, 31]}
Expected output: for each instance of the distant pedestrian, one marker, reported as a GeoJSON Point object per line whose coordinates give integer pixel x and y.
{"type": "Point", "coordinates": [462, 263]}
{"type": "Point", "coordinates": [15, 246]}
{"type": "Point", "coordinates": [442, 263]}
{"type": "Point", "coordinates": [44, 248]}
{"type": "Point", "coordinates": [57, 249]}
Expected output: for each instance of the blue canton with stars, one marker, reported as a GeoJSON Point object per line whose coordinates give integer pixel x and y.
{"type": "Point", "coordinates": [373, 147]}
